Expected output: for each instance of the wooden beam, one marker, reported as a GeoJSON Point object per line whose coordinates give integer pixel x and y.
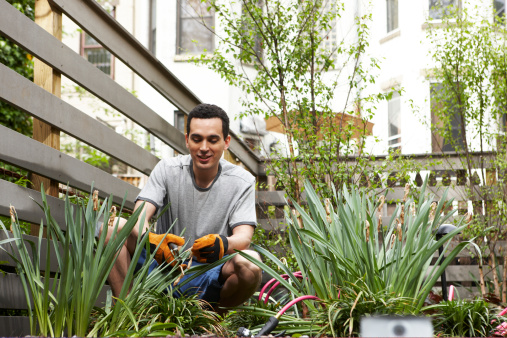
{"type": "Point", "coordinates": [26, 96]}
{"type": "Point", "coordinates": [26, 153]}
{"type": "Point", "coordinates": [14, 326]}
{"type": "Point", "coordinates": [12, 295]}
{"type": "Point", "coordinates": [50, 80]}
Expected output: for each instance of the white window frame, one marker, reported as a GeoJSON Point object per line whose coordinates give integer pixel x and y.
{"type": "Point", "coordinates": [396, 96]}
{"type": "Point", "coordinates": [179, 49]}
{"type": "Point", "coordinates": [456, 3]}
{"type": "Point", "coordinates": [389, 15]}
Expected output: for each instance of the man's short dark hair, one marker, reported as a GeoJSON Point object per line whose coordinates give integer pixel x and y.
{"type": "Point", "coordinates": [209, 111]}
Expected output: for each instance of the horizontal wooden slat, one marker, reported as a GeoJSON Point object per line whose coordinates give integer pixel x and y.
{"type": "Point", "coordinates": [272, 224]}
{"type": "Point", "coordinates": [464, 292]}
{"type": "Point", "coordinates": [34, 100]}
{"type": "Point", "coordinates": [27, 209]}
{"type": "Point", "coordinates": [24, 32]}
{"type": "Point", "coordinates": [468, 273]}
{"type": "Point", "coordinates": [12, 295]}
{"type": "Point", "coordinates": [429, 161]}
{"type": "Point", "coordinates": [29, 154]}
{"type": "Point", "coordinates": [14, 326]}
{"type": "Point", "coordinates": [99, 24]}
{"type": "Point", "coordinates": [8, 261]}
{"type": "Point", "coordinates": [277, 198]}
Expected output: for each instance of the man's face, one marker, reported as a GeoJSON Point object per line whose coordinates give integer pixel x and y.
{"type": "Point", "coordinates": [206, 142]}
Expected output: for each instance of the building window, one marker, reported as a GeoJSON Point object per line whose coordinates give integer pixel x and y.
{"type": "Point", "coordinates": [153, 27]}
{"type": "Point", "coordinates": [394, 121]}
{"type": "Point", "coordinates": [180, 119]}
{"type": "Point", "coordinates": [499, 8]}
{"type": "Point", "coordinates": [438, 9]}
{"type": "Point", "coordinates": [248, 27]}
{"type": "Point", "coordinates": [392, 15]}
{"type": "Point", "coordinates": [330, 36]}
{"type": "Point", "coordinates": [445, 120]}
{"type": "Point", "coordinates": [195, 27]}
{"type": "Point", "coordinates": [96, 54]}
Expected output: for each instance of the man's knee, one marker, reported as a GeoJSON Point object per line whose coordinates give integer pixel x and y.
{"type": "Point", "coordinates": [244, 268]}
{"type": "Point", "coordinates": [110, 227]}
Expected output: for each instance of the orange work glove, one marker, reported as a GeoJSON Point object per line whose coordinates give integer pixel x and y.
{"type": "Point", "coordinates": [164, 253]}
{"type": "Point", "coordinates": [210, 248]}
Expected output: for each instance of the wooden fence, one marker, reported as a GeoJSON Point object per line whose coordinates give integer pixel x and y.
{"type": "Point", "coordinates": [42, 40]}
{"type": "Point", "coordinates": [51, 112]}
{"type": "Point", "coordinates": [446, 172]}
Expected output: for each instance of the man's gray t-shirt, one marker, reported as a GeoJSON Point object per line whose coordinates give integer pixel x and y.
{"type": "Point", "coordinates": [227, 203]}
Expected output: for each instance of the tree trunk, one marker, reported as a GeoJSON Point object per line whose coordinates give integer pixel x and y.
{"type": "Point", "coordinates": [495, 274]}
{"type": "Point", "coordinates": [481, 279]}
{"type": "Point", "coordinates": [504, 279]}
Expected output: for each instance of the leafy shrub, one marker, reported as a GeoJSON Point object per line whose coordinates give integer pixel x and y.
{"type": "Point", "coordinates": [341, 317]}
{"type": "Point", "coordinates": [64, 305]}
{"type": "Point", "coordinates": [465, 318]}
{"type": "Point", "coordinates": [159, 314]}
{"type": "Point", "coordinates": [343, 247]}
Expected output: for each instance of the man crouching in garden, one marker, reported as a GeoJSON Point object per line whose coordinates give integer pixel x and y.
{"type": "Point", "coordinates": [213, 200]}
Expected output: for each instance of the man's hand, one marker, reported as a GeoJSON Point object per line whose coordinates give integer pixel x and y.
{"type": "Point", "coordinates": [164, 253]}
{"type": "Point", "coordinates": [210, 248]}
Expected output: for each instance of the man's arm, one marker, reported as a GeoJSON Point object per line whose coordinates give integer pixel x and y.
{"type": "Point", "coordinates": [150, 210]}
{"type": "Point", "coordinates": [241, 238]}
{"type": "Point", "coordinates": [139, 228]}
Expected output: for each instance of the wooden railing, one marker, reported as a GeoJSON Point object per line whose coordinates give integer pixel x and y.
{"type": "Point", "coordinates": [46, 106]}
{"type": "Point", "coordinates": [446, 172]}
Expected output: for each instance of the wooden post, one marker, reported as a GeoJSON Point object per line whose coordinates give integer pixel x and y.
{"type": "Point", "coordinates": [50, 80]}
{"type": "Point", "coordinates": [271, 183]}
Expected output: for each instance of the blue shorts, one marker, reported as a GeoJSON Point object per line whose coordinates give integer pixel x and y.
{"type": "Point", "coordinates": [207, 285]}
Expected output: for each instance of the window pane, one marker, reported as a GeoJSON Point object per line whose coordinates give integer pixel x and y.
{"type": "Point", "coordinates": [248, 27]}
{"type": "Point", "coordinates": [192, 30]}
{"type": "Point", "coordinates": [499, 6]}
{"type": "Point", "coordinates": [440, 8]}
{"type": "Point", "coordinates": [394, 141]}
{"type": "Point", "coordinates": [194, 8]}
{"type": "Point", "coordinates": [392, 15]}
{"type": "Point", "coordinates": [100, 58]}
{"type": "Point", "coordinates": [153, 14]}
{"type": "Point", "coordinates": [447, 137]}
{"type": "Point", "coordinates": [192, 15]}
{"type": "Point", "coordinates": [89, 41]}
{"type": "Point", "coordinates": [153, 27]}
{"type": "Point", "coordinates": [394, 115]}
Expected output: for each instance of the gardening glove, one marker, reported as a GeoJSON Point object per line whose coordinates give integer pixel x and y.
{"type": "Point", "coordinates": [164, 253]}
{"type": "Point", "coordinates": [210, 248]}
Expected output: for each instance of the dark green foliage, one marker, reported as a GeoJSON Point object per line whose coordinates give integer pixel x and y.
{"type": "Point", "coordinates": [342, 316]}
{"type": "Point", "coordinates": [159, 314]}
{"type": "Point", "coordinates": [465, 318]}
{"type": "Point", "coordinates": [248, 316]}
{"type": "Point", "coordinates": [20, 61]}
{"type": "Point", "coordinates": [276, 242]}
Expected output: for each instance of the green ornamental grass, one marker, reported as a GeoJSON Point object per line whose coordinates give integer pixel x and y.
{"type": "Point", "coordinates": [465, 318]}
{"type": "Point", "coordinates": [348, 244]}
{"type": "Point", "coordinates": [63, 305]}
